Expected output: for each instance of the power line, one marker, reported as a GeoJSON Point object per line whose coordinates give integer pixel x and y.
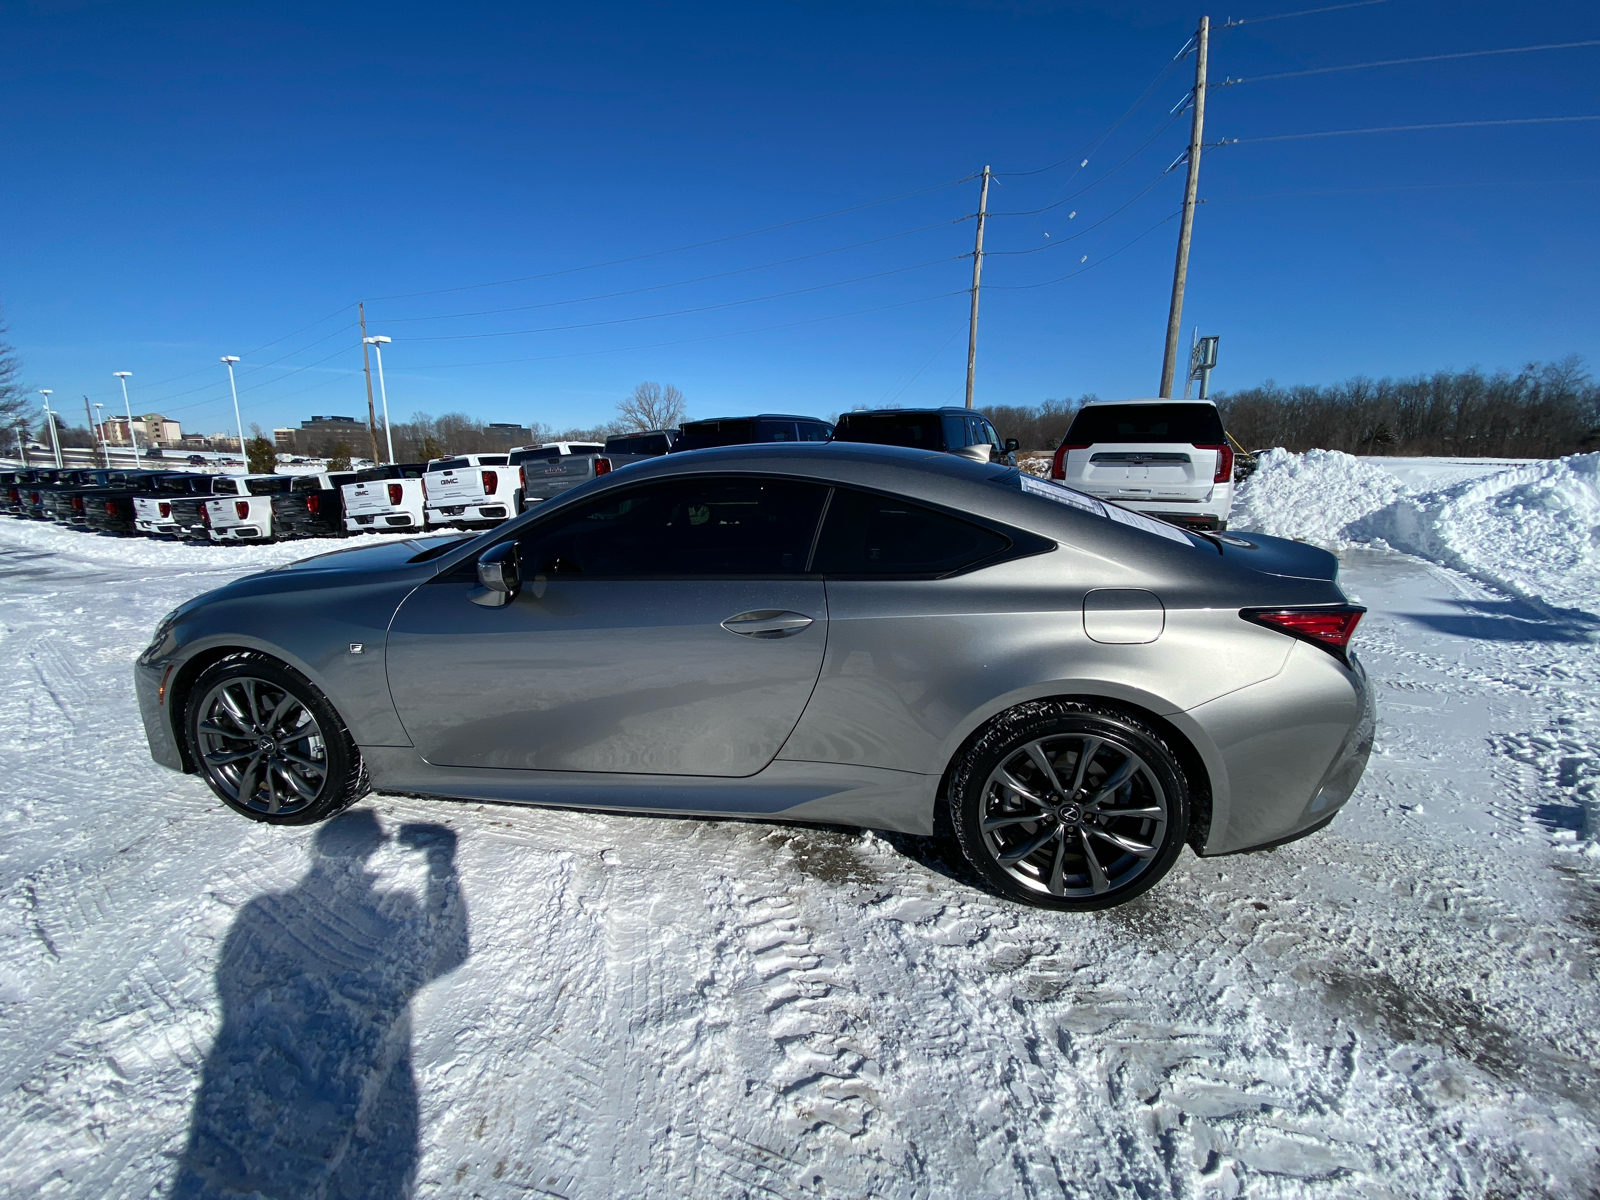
{"type": "Point", "coordinates": [1291, 137]}
{"type": "Point", "coordinates": [1018, 287]}
{"type": "Point", "coordinates": [457, 337]}
{"type": "Point", "coordinates": [1162, 128]}
{"type": "Point", "coordinates": [686, 341]}
{"type": "Point", "coordinates": [682, 282]}
{"type": "Point", "coordinates": [732, 237]}
{"type": "Point", "coordinates": [1304, 12]}
{"type": "Point", "coordinates": [1403, 187]}
{"type": "Point", "coordinates": [1087, 229]}
{"type": "Point", "coordinates": [1399, 62]}
{"type": "Point", "coordinates": [1094, 144]}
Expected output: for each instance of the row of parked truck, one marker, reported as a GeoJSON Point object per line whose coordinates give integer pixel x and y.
{"type": "Point", "coordinates": [465, 490]}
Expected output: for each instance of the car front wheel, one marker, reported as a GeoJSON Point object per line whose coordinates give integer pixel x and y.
{"type": "Point", "coordinates": [1070, 806]}
{"type": "Point", "coordinates": [269, 743]}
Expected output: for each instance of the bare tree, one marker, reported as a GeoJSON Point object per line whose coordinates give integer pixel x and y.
{"type": "Point", "coordinates": [652, 406]}
{"type": "Point", "coordinates": [13, 392]}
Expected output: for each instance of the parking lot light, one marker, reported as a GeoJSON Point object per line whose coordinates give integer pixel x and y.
{"type": "Point", "coordinates": [377, 344]}
{"type": "Point", "coordinates": [128, 408]}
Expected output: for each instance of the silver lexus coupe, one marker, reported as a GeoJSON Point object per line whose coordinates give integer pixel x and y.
{"type": "Point", "coordinates": [856, 634]}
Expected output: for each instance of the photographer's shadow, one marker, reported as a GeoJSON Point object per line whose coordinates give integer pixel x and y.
{"type": "Point", "coordinates": [308, 1089]}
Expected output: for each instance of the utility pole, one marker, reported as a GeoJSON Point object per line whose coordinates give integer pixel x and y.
{"type": "Point", "coordinates": [366, 365]}
{"type": "Point", "coordinates": [977, 274]}
{"type": "Point", "coordinates": [1180, 272]}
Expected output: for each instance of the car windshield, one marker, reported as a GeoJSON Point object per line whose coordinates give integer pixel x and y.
{"type": "Point", "coordinates": [449, 464]}
{"type": "Point", "coordinates": [920, 431]}
{"type": "Point", "coordinates": [268, 487]}
{"type": "Point", "coordinates": [1185, 424]}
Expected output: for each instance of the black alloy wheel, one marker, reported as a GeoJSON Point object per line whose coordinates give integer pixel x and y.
{"type": "Point", "coordinates": [1064, 805]}
{"type": "Point", "coordinates": [269, 743]}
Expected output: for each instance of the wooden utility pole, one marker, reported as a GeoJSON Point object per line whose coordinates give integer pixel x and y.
{"type": "Point", "coordinates": [1180, 273]}
{"type": "Point", "coordinates": [366, 365]}
{"type": "Point", "coordinates": [977, 274]}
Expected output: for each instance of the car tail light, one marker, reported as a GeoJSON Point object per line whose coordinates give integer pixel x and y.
{"type": "Point", "coordinates": [1224, 462]}
{"type": "Point", "coordinates": [396, 492]}
{"type": "Point", "coordinates": [205, 515]}
{"type": "Point", "coordinates": [522, 478]}
{"type": "Point", "coordinates": [111, 507]}
{"type": "Point", "coordinates": [1330, 628]}
{"type": "Point", "coordinates": [313, 505]}
{"type": "Point", "coordinates": [602, 466]}
{"type": "Point", "coordinates": [77, 504]}
{"type": "Point", "coordinates": [242, 507]}
{"type": "Point", "coordinates": [166, 510]}
{"type": "Point", "coordinates": [35, 497]}
{"type": "Point", "coordinates": [1058, 469]}
{"type": "Point", "coordinates": [491, 483]}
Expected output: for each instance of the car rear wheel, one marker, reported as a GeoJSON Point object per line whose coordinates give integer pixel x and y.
{"type": "Point", "coordinates": [269, 743]}
{"type": "Point", "coordinates": [1070, 806]}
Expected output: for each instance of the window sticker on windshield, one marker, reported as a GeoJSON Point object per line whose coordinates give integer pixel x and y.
{"type": "Point", "coordinates": [1061, 495]}
{"type": "Point", "coordinates": [1149, 524]}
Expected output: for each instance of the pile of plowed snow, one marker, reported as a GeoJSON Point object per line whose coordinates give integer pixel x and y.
{"type": "Point", "coordinates": [1531, 531]}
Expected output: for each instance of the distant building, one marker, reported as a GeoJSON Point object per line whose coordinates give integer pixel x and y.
{"type": "Point", "coordinates": [152, 429]}
{"type": "Point", "coordinates": [508, 433]}
{"type": "Point", "coordinates": [318, 436]}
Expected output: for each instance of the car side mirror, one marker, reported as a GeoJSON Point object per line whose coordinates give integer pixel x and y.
{"type": "Point", "coordinates": [1012, 445]}
{"type": "Point", "coordinates": [499, 576]}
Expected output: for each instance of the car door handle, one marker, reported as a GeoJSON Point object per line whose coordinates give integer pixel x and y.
{"type": "Point", "coordinates": [767, 623]}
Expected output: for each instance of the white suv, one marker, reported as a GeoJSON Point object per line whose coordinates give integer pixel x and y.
{"type": "Point", "coordinates": [1168, 458]}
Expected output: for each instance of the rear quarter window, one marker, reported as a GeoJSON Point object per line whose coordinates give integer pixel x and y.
{"type": "Point", "coordinates": [876, 536]}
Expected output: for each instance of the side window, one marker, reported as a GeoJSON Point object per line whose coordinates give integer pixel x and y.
{"type": "Point", "coordinates": [955, 433]}
{"type": "Point", "coordinates": [712, 527]}
{"type": "Point", "coordinates": [883, 536]}
{"type": "Point", "coordinates": [776, 431]}
{"type": "Point", "coordinates": [815, 432]}
{"type": "Point", "coordinates": [990, 436]}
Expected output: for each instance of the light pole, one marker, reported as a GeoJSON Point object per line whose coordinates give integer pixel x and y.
{"type": "Point", "coordinates": [100, 434]}
{"type": "Point", "coordinates": [50, 419]}
{"type": "Point", "coordinates": [128, 408]}
{"type": "Point", "coordinates": [230, 359]}
{"type": "Point", "coordinates": [377, 344]}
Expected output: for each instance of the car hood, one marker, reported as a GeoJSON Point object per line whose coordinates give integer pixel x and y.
{"type": "Point", "coordinates": [1277, 556]}
{"type": "Point", "coordinates": [382, 557]}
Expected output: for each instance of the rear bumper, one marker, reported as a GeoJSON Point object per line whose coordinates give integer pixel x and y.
{"type": "Point", "coordinates": [460, 514]}
{"type": "Point", "coordinates": [1293, 747]}
{"type": "Point", "coordinates": [244, 532]}
{"type": "Point", "coordinates": [366, 522]}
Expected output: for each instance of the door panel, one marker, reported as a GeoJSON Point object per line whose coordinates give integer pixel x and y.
{"type": "Point", "coordinates": [605, 674]}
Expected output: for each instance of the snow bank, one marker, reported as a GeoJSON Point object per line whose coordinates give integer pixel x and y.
{"type": "Point", "coordinates": [1532, 531]}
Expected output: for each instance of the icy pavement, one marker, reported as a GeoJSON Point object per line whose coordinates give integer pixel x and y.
{"type": "Point", "coordinates": [594, 1005]}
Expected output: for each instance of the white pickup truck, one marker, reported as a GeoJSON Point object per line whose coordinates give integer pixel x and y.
{"type": "Point", "coordinates": [384, 498]}
{"type": "Point", "coordinates": [242, 508]}
{"type": "Point", "coordinates": [469, 489]}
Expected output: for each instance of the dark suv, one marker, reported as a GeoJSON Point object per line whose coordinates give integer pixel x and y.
{"type": "Point", "coordinates": [944, 429]}
{"type": "Point", "coordinates": [739, 431]}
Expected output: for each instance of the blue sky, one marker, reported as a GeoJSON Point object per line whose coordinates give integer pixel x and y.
{"type": "Point", "coordinates": [185, 181]}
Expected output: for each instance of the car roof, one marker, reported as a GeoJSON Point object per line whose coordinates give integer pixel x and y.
{"type": "Point", "coordinates": [952, 409]}
{"type": "Point", "coordinates": [1149, 400]}
{"type": "Point", "coordinates": [753, 417]}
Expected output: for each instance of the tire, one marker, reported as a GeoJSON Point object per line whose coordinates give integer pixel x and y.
{"type": "Point", "coordinates": [269, 744]}
{"type": "Point", "coordinates": [1048, 837]}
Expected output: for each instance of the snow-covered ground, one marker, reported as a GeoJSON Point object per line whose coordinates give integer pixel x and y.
{"type": "Point", "coordinates": [590, 1005]}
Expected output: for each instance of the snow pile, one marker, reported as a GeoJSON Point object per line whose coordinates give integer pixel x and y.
{"type": "Point", "coordinates": [1312, 497]}
{"type": "Point", "coordinates": [1532, 531]}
